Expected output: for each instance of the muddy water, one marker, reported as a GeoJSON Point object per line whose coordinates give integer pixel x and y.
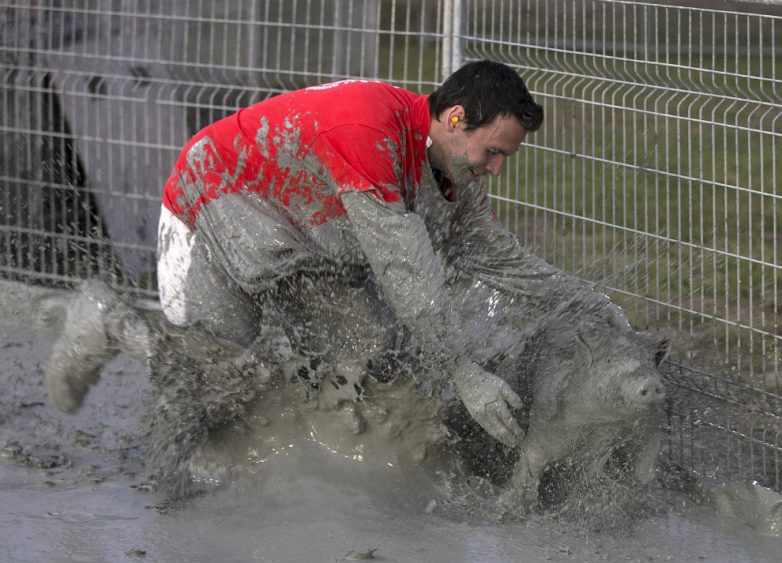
{"type": "Point", "coordinates": [74, 488]}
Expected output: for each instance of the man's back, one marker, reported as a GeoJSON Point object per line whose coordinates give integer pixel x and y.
{"type": "Point", "coordinates": [300, 150]}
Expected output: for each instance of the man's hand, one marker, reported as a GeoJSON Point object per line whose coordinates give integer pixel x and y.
{"type": "Point", "coordinates": [486, 397]}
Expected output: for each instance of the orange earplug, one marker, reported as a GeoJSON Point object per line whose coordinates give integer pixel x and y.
{"type": "Point", "coordinates": [454, 120]}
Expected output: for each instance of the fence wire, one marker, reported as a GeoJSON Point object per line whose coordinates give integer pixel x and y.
{"type": "Point", "coordinates": [655, 173]}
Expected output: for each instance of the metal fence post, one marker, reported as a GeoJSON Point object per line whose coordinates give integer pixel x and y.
{"type": "Point", "coordinates": [453, 32]}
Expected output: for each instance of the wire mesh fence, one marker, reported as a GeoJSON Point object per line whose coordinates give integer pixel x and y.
{"type": "Point", "coordinates": [655, 173]}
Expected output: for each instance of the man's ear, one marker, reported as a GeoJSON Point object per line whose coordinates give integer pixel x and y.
{"type": "Point", "coordinates": [454, 116]}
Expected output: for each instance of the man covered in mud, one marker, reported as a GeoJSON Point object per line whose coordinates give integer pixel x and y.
{"type": "Point", "coordinates": [328, 183]}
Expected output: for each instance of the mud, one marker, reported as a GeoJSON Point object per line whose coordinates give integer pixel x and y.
{"type": "Point", "coordinates": [75, 488]}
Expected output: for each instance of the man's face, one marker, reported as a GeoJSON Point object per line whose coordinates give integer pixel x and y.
{"type": "Point", "coordinates": [466, 155]}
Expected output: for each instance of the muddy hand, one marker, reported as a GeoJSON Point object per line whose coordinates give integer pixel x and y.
{"type": "Point", "coordinates": [486, 398]}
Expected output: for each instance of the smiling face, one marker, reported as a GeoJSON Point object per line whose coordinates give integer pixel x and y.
{"type": "Point", "coordinates": [462, 155]}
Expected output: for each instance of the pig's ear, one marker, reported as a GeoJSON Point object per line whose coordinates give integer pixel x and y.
{"type": "Point", "coordinates": [660, 346]}
{"type": "Point", "coordinates": [617, 318]}
{"type": "Point", "coordinates": [662, 350]}
{"type": "Point", "coordinates": [584, 349]}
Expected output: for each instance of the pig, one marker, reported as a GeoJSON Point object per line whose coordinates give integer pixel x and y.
{"type": "Point", "coordinates": [593, 399]}
{"type": "Point", "coordinates": [594, 396]}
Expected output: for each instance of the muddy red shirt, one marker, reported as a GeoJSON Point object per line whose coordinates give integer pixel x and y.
{"type": "Point", "coordinates": [302, 149]}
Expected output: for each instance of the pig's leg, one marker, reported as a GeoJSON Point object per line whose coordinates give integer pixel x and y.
{"type": "Point", "coordinates": [646, 460]}
{"type": "Point", "coordinates": [535, 453]}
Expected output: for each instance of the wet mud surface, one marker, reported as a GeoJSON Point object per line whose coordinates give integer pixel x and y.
{"type": "Point", "coordinates": [75, 488]}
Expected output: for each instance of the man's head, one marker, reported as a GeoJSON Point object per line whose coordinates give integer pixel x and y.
{"type": "Point", "coordinates": [480, 115]}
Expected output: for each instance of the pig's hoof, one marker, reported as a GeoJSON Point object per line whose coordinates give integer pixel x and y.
{"type": "Point", "coordinates": [83, 347]}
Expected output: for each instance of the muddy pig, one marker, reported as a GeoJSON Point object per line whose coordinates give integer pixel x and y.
{"type": "Point", "coordinates": [593, 404]}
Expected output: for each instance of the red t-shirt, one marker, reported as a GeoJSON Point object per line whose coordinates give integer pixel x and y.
{"type": "Point", "coordinates": [300, 150]}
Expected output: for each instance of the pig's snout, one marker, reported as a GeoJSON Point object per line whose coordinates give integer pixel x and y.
{"type": "Point", "coordinates": [644, 391]}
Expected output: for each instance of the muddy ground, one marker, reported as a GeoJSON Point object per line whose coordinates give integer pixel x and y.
{"type": "Point", "coordinates": [75, 488]}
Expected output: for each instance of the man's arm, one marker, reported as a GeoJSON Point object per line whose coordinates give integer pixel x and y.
{"type": "Point", "coordinates": [411, 276]}
{"type": "Point", "coordinates": [494, 256]}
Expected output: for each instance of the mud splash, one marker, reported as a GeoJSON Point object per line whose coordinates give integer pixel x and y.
{"type": "Point", "coordinates": [297, 500]}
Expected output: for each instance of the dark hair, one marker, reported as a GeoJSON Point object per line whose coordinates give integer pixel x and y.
{"type": "Point", "coordinates": [486, 89]}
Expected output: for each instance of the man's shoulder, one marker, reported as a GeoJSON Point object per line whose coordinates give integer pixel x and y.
{"type": "Point", "coordinates": [348, 85]}
{"type": "Point", "coordinates": [358, 95]}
